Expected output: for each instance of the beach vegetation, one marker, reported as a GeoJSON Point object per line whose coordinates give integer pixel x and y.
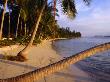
{"type": "Point", "coordinates": [30, 19]}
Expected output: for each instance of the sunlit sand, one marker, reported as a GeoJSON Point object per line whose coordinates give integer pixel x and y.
{"type": "Point", "coordinates": [39, 56]}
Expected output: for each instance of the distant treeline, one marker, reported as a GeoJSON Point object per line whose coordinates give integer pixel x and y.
{"type": "Point", "coordinates": [67, 33]}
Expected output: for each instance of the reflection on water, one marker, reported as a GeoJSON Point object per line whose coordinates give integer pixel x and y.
{"type": "Point", "coordinates": [97, 66]}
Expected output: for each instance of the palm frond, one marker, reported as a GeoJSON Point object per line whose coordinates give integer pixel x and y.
{"type": "Point", "coordinates": [87, 2]}
{"type": "Point", "coordinates": [23, 14]}
{"type": "Point", "coordinates": [69, 8]}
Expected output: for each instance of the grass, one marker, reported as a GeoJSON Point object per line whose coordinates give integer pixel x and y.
{"type": "Point", "coordinates": [7, 42]}
{"type": "Point", "coordinates": [19, 40]}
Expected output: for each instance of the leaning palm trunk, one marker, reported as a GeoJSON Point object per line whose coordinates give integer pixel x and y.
{"type": "Point", "coordinates": [22, 54]}
{"type": "Point", "coordinates": [3, 14]}
{"type": "Point", "coordinates": [44, 71]}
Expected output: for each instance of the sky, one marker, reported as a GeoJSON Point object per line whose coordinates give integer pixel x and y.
{"type": "Point", "coordinates": [93, 20]}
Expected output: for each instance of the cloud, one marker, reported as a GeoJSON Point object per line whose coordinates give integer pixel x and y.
{"type": "Point", "coordinates": [94, 20]}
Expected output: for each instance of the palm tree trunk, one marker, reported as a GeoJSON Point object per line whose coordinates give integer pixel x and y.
{"type": "Point", "coordinates": [25, 30]}
{"type": "Point", "coordinates": [54, 8]}
{"type": "Point", "coordinates": [21, 29]}
{"type": "Point", "coordinates": [9, 25]}
{"type": "Point", "coordinates": [17, 26]}
{"type": "Point", "coordinates": [62, 64]}
{"type": "Point", "coordinates": [3, 14]}
{"type": "Point", "coordinates": [22, 54]}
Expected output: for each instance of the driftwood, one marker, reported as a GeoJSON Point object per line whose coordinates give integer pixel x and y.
{"type": "Point", "coordinates": [44, 71]}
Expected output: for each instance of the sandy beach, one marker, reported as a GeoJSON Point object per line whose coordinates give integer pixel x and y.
{"type": "Point", "coordinates": [39, 56]}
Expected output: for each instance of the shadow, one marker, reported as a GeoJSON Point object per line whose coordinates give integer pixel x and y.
{"type": "Point", "coordinates": [17, 64]}
{"type": "Point", "coordinates": [13, 58]}
{"type": "Point", "coordinates": [1, 56]}
{"type": "Point", "coordinates": [77, 78]}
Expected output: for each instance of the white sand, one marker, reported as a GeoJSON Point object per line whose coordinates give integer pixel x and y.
{"type": "Point", "coordinates": [39, 56]}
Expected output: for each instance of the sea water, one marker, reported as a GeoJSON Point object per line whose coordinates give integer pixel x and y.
{"type": "Point", "coordinates": [98, 66]}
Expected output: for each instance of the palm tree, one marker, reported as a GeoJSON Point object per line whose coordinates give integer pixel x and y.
{"type": "Point", "coordinates": [47, 28]}
{"type": "Point", "coordinates": [10, 5]}
{"type": "Point", "coordinates": [68, 7]}
{"type": "Point", "coordinates": [22, 54]}
{"type": "Point", "coordinates": [16, 33]}
{"type": "Point", "coordinates": [54, 8]}
{"type": "Point", "coordinates": [62, 64]}
{"type": "Point", "coordinates": [9, 25]}
{"type": "Point", "coordinates": [22, 15]}
{"type": "Point", "coordinates": [25, 29]}
{"type": "Point", "coordinates": [3, 14]}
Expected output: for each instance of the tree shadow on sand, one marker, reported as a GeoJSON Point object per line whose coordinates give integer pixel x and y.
{"type": "Point", "coordinates": [11, 58]}
{"type": "Point", "coordinates": [15, 63]}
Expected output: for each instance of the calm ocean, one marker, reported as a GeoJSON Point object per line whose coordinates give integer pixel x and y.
{"type": "Point", "coordinates": [98, 66]}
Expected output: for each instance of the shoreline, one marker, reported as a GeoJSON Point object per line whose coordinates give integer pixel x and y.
{"type": "Point", "coordinates": [75, 71]}
{"type": "Point", "coordinates": [39, 56]}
